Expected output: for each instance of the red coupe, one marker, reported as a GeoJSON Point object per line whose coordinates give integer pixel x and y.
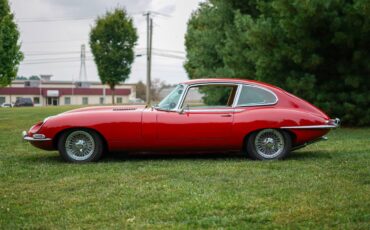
{"type": "Point", "coordinates": [261, 120]}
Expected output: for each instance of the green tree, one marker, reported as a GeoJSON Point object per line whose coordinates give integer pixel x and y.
{"type": "Point", "coordinates": [112, 40]}
{"type": "Point", "coordinates": [318, 50]}
{"type": "Point", "coordinates": [10, 54]}
{"type": "Point", "coordinates": [21, 78]}
{"type": "Point", "coordinates": [204, 41]}
{"type": "Point", "coordinates": [34, 77]}
{"type": "Point", "coordinates": [140, 90]}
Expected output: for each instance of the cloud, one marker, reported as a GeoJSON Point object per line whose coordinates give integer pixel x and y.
{"type": "Point", "coordinates": [68, 35]}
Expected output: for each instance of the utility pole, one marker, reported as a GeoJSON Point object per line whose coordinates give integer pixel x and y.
{"type": "Point", "coordinates": [149, 38]}
{"type": "Point", "coordinates": [83, 74]}
{"type": "Point", "coordinates": [41, 99]}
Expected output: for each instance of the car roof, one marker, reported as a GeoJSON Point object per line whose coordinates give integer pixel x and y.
{"type": "Point", "coordinates": [229, 80]}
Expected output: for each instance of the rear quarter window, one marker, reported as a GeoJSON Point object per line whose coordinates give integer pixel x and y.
{"type": "Point", "coordinates": [253, 95]}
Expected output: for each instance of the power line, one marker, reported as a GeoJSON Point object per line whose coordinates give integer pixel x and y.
{"type": "Point", "coordinates": [25, 20]}
{"type": "Point", "coordinates": [56, 19]}
{"type": "Point", "coordinates": [52, 54]}
{"type": "Point", "coordinates": [170, 51]}
{"type": "Point", "coordinates": [169, 56]}
{"type": "Point", "coordinates": [52, 62]}
{"type": "Point", "coordinates": [53, 41]}
{"type": "Point", "coordinates": [39, 52]}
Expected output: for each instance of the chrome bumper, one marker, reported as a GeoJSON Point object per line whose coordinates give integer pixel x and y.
{"type": "Point", "coordinates": [28, 138]}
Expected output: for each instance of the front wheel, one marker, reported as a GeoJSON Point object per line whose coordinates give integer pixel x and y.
{"type": "Point", "coordinates": [80, 146]}
{"type": "Point", "coordinates": [268, 144]}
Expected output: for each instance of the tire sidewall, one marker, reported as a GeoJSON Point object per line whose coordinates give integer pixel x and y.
{"type": "Point", "coordinates": [98, 151]}
{"type": "Point", "coordinates": [253, 154]}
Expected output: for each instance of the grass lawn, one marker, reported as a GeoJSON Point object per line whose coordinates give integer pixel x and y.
{"type": "Point", "coordinates": [323, 186]}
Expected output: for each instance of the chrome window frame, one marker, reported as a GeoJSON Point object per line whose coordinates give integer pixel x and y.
{"type": "Point", "coordinates": [175, 109]}
{"type": "Point", "coordinates": [188, 86]}
{"type": "Point", "coordinates": [235, 102]}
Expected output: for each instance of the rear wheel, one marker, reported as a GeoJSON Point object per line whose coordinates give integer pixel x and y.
{"type": "Point", "coordinates": [268, 144]}
{"type": "Point", "coordinates": [80, 146]}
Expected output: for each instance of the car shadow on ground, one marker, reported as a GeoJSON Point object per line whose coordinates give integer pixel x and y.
{"type": "Point", "coordinates": [168, 156]}
{"type": "Point", "coordinates": [118, 156]}
{"type": "Point", "coordinates": [301, 155]}
{"type": "Point", "coordinates": [306, 155]}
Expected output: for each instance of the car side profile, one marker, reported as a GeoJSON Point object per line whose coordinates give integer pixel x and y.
{"type": "Point", "coordinates": [260, 120]}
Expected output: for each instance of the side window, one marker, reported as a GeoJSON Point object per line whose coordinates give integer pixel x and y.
{"type": "Point", "coordinates": [210, 96]}
{"type": "Point", "coordinates": [251, 95]}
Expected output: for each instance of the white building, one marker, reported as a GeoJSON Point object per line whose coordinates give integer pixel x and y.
{"type": "Point", "coordinates": [46, 92]}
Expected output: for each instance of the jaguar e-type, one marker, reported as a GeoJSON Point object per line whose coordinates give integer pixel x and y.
{"type": "Point", "coordinates": [258, 119]}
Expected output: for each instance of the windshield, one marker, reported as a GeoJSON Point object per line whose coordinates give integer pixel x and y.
{"type": "Point", "coordinates": [172, 99]}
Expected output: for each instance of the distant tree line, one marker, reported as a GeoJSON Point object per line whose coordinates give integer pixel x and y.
{"type": "Point", "coordinates": [155, 90]}
{"type": "Point", "coordinates": [33, 77]}
{"type": "Point", "coordinates": [318, 50]}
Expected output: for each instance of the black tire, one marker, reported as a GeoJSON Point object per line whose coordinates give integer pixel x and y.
{"type": "Point", "coordinates": [94, 150]}
{"type": "Point", "coordinates": [255, 150]}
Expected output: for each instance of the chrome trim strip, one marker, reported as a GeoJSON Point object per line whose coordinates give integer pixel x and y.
{"type": "Point", "coordinates": [184, 92]}
{"type": "Point", "coordinates": [231, 110]}
{"type": "Point", "coordinates": [310, 127]}
{"type": "Point", "coordinates": [237, 95]}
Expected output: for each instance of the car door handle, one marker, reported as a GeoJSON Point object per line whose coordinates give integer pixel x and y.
{"type": "Point", "coordinates": [226, 115]}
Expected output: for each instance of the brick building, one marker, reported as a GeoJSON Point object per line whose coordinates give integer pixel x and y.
{"type": "Point", "coordinates": [46, 92]}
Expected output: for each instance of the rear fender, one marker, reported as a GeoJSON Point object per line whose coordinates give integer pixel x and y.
{"type": "Point", "coordinates": [252, 119]}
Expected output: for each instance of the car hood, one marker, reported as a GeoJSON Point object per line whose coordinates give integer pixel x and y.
{"type": "Point", "coordinates": [106, 109]}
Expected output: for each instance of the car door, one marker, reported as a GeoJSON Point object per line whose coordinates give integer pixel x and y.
{"type": "Point", "coordinates": [204, 119]}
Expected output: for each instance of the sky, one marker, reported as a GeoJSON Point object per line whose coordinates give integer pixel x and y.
{"type": "Point", "coordinates": [52, 32]}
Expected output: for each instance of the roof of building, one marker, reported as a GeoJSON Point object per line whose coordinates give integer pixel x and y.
{"type": "Point", "coordinates": [63, 82]}
{"type": "Point", "coordinates": [62, 91]}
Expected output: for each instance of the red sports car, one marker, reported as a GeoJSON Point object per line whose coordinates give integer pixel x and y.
{"type": "Point", "coordinates": [261, 120]}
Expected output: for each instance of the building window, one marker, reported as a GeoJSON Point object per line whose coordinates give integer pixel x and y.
{"type": "Point", "coordinates": [101, 100]}
{"type": "Point", "coordinates": [2, 100]}
{"type": "Point", "coordinates": [119, 100]}
{"type": "Point", "coordinates": [27, 84]}
{"type": "Point", "coordinates": [36, 100]}
{"type": "Point", "coordinates": [67, 100]}
{"type": "Point", "coordinates": [85, 100]}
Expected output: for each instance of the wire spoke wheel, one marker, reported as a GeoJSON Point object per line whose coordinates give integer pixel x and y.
{"type": "Point", "coordinates": [269, 143]}
{"type": "Point", "coordinates": [79, 145]}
